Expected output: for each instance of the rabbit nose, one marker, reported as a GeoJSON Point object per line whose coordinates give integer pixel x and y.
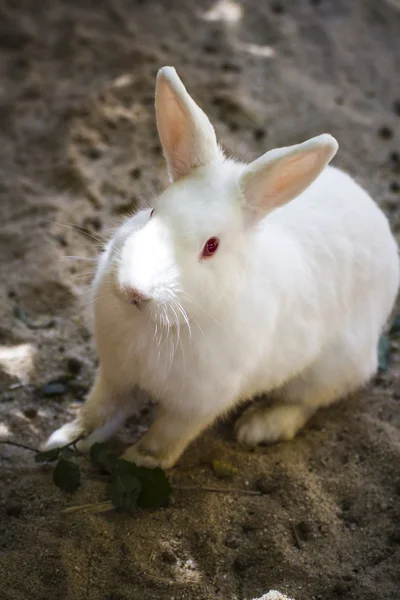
{"type": "Point", "coordinates": [135, 296]}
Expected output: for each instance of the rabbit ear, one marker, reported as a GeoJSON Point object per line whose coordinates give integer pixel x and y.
{"type": "Point", "coordinates": [282, 174]}
{"type": "Point", "coordinates": [186, 135]}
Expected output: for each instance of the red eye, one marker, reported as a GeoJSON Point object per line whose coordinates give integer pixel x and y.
{"type": "Point", "coordinates": [210, 247]}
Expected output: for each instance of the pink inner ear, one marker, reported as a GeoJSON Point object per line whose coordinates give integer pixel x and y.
{"type": "Point", "coordinates": [174, 125]}
{"type": "Point", "coordinates": [173, 115]}
{"type": "Point", "coordinates": [289, 178]}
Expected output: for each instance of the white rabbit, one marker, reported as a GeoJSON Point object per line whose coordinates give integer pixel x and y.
{"type": "Point", "coordinates": [276, 276]}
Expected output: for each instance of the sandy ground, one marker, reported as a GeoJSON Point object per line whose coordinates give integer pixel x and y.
{"type": "Point", "coordinates": [78, 147]}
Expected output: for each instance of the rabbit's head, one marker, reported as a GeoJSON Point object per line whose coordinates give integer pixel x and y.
{"type": "Point", "coordinates": [179, 260]}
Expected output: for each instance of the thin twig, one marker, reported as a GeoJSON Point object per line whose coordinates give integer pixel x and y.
{"type": "Point", "coordinates": [219, 490]}
{"type": "Point", "coordinates": [6, 442]}
{"type": "Point", "coordinates": [108, 505]}
{"type": "Point", "coordinates": [93, 507]}
{"type": "Point", "coordinates": [25, 447]}
{"type": "Point", "coordinates": [297, 541]}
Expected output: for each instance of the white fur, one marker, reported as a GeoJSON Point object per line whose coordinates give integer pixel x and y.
{"type": "Point", "coordinates": [293, 302]}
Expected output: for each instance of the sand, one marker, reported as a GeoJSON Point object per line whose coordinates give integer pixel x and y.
{"type": "Point", "coordinates": [78, 148]}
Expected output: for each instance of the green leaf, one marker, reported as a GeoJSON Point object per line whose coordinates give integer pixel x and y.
{"type": "Point", "coordinates": [155, 487]}
{"type": "Point", "coordinates": [101, 456]}
{"type": "Point", "coordinates": [67, 476]}
{"type": "Point", "coordinates": [395, 328]}
{"type": "Point", "coordinates": [48, 455]}
{"type": "Point", "coordinates": [124, 491]}
{"type": "Point", "coordinates": [224, 469]}
{"type": "Point", "coordinates": [69, 452]}
{"type": "Point", "coordinates": [383, 353]}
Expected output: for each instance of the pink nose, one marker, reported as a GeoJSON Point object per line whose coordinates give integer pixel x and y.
{"type": "Point", "coordinates": [135, 296]}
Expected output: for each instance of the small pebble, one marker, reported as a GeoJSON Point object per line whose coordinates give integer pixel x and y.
{"type": "Point", "coordinates": [30, 412]}
{"type": "Point", "coordinates": [54, 388]}
{"type": "Point", "coordinates": [304, 530]}
{"type": "Point", "coordinates": [385, 132]}
{"type": "Point", "coordinates": [74, 365]}
{"type": "Point", "coordinates": [168, 557]}
{"type": "Point", "coordinates": [94, 153]}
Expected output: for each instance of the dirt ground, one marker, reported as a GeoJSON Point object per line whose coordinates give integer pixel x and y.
{"type": "Point", "coordinates": [78, 148]}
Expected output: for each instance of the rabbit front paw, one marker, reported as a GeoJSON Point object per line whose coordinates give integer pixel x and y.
{"type": "Point", "coordinates": [144, 456]}
{"type": "Point", "coordinates": [67, 434]}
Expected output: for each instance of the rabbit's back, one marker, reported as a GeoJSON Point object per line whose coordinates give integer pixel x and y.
{"type": "Point", "coordinates": [327, 263]}
{"type": "Point", "coordinates": [343, 239]}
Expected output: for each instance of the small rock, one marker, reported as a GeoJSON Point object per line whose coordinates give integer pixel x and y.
{"type": "Point", "coordinates": [169, 557]}
{"type": "Point", "coordinates": [385, 132]}
{"type": "Point", "coordinates": [94, 153]}
{"type": "Point", "coordinates": [273, 595]}
{"type": "Point", "coordinates": [304, 530]}
{"type": "Point", "coordinates": [74, 365]}
{"type": "Point", "coordinates": [223, 469]}
{"type": "Point", "coordinates": [54, 388]}
{"type": "Point", "coordinates": [30, 412]}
